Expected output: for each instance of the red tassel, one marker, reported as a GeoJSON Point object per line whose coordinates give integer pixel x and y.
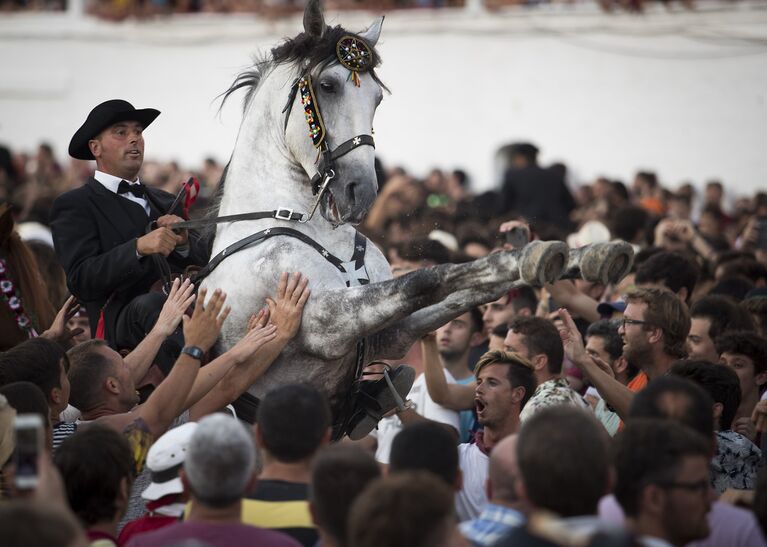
{"type": "Point", "coordinates": [192, 190]}
{"type": "Point", "coordinates": [100, 327]}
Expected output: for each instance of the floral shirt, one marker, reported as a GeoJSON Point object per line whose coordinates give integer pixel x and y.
{"type": "Point", "coordinates": [551, 393]}
{"type": "Point", "coordinates": [736, 463]}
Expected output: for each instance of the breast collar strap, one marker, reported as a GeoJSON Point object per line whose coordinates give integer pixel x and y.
{"type": "Point", "coordinates": [354, 270]}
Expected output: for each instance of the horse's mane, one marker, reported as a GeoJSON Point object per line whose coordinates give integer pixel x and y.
{"type": "Point", "coordinates": [305, 50]}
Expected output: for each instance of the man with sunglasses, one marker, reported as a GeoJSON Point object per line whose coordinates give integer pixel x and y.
{"type": "Point", "coordinates": [654, 330]}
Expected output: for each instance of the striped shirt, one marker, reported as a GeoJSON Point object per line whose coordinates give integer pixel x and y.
{"type": "Point", "coordinates": [61, 431]}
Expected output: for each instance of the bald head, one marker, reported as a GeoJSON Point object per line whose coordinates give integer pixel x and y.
{"type": "Point", "coordinates": [503, 471]}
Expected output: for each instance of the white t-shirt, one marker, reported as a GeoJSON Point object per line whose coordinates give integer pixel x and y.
{"type": "Point", "coordinates": [472, 498]}
{"type": "Point", "coordinates": [423, 405]}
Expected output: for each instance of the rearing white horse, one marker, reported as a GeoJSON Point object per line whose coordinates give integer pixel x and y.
{"type": "Point", "coordinates": [330, 73]}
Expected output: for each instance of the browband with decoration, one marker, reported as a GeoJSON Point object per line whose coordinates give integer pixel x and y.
{"type": "Point", "coordinates": [311, 111]}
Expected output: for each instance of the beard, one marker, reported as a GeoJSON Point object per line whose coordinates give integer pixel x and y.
{"type": "Point", "coordinates": [638, 354]}
{"type": "Point", "coordinates": [680, 529]}
{"type": "Point", "coordinates": [450, 355]}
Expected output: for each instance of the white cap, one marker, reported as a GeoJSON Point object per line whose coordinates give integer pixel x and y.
{"type": "Point", "coordinates": [164, 460]}
{"type": "Point", "coordinates": [591, 232]}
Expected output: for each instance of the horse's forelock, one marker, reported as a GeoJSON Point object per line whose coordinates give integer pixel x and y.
{"type": "Point", "coordinates": [309, 51]}
{"type": "Point", "coordinates": [305, 51]}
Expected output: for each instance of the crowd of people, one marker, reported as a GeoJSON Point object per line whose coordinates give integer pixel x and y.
{"type": "Point", "coordinates": [576, 413]}
{"type": "Point", "coordinates": [119, 10]}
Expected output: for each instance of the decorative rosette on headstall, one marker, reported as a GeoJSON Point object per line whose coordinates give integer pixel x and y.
{"type": "Point", "coordinates": [354, 54]}
{"type": "Point", "coordinates": [311, 111]}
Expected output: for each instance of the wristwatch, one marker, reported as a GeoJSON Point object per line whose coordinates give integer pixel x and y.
{"type": "Point", "coordinates": [407, 405]}
{"type": "Point", "coordinates": [194, 352]}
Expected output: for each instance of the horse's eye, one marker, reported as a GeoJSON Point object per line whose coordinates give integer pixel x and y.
{"type": "Point", "coordinates": [327, 86]}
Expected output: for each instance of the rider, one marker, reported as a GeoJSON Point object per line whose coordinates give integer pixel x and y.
{"type": "Point", "coordinates": [105, 231]}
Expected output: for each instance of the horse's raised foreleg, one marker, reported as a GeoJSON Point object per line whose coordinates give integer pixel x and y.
{"type": "Point", "coordinates": [351, 314]}
{"type": "Point", "coordinates": [394, 341]}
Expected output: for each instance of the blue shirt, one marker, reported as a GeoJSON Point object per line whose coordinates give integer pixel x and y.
{"type": "Point", "coordinates": [492, 524]}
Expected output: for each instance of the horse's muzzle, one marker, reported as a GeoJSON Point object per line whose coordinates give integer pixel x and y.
{"type": "Point", "coordinates": [355, 200]}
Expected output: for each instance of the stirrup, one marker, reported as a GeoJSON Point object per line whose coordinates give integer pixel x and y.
{"type": "Point", "coordinates": [378, 398]}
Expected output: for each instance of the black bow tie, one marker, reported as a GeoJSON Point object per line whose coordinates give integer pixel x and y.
{"type": "Point", "coordinates": [138, 190]}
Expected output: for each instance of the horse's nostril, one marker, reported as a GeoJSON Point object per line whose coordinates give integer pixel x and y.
{"type": "Point", "coordinates": [350, 188]}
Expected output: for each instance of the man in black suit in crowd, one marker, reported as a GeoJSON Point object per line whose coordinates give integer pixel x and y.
{"type": "Point", "coordinates": [102, 231]}
{"type": "Point", "coordinates": [539, 195]}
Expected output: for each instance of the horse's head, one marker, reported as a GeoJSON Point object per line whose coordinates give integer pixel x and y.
{"type": "Point", "coordinates": [346, 101]}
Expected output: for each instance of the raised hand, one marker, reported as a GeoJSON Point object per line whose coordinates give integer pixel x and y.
{"type": "Point", "coordinates": [259, 319]}
{"type": "Point", "coordinates": [286, 311]}
{"type": "Point", "coordinates": [180, 297]}
{"type": "Point", "coordinates": [203, 328]}
{"type": "Point", "coordinates": [252, 342]}
{"type": "Point", "coordinates": [572, 341]}
{"type": "Point", "coordinates": [58, 330]}
{"type": "Point", "coordinates": [517, 234]}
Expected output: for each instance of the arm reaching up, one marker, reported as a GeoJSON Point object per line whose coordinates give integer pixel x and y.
{"type": "Point", "coordinates": [201, 330]}
{"type": "Point", "coordinates": [453, 396]}
{"type": "Point", "coordinates": [617, 395]}
{"type": "Point", "coordinates": [566, 294]}
{"type": "Point", "coordinates": [179, 299]}
{"type": "Point", "coordinates": [285, 314]}
{"type": "Point", "coordinates": [58, 331]}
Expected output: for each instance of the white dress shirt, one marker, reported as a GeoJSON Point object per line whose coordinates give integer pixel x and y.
{"type": "Point", "coordinates": [111, 183]}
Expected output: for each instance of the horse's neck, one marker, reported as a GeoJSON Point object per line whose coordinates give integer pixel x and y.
{"type": "Point", "coordinates": [262, 175]}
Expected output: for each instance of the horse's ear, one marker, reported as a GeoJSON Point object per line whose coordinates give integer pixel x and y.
{"type": "Point", "coordinates": [372, 33]}
{"type": "Point", "coordinates": [314, 20]}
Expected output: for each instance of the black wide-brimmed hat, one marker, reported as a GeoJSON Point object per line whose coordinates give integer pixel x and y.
{"type": "Point", "coordinates": [101, 117]}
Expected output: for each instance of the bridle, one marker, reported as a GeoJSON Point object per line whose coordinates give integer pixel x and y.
{"type": "Point", "coordinates": [354, 54]}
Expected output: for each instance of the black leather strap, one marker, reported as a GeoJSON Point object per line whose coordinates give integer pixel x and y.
{"type": "Point", "coordinates": [266, 234]}
{"type": "Point", "coordinates": [280, 214]}
{"type": "Point", "coordinates": [326, 163]}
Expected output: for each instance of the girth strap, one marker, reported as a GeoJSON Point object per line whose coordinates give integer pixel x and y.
{"type": "Point", "coordinates": [327, 160]}
{"type": "Point", "coordinates": [358, 257]}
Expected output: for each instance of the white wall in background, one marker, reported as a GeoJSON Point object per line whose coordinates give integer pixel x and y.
{"type": "Point", "coordinates": [685, 94]}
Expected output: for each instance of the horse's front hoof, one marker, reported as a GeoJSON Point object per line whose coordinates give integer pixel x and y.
{"type": "Point", "coordinates": [377, 398]}
{"type": "Point", "coordinates": [607, 263]}
{"type": "Point", "coordinates": [543, 262]}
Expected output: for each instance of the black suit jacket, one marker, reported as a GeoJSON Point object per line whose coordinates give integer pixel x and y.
{"type": "Point", "coordinates": [538, 194]}
{"type": "Point", "coordinates": [95, 232]}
